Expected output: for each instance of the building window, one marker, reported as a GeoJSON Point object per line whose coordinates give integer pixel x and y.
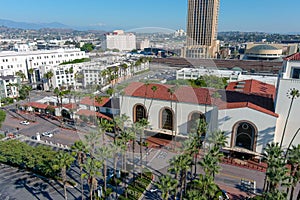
{"type": "Point", "coordinates": [196, 121]}
{"type": "Point", "coordinates": [139, 113]}
{"type": "Point", "coordinates": [296, 73]}
{"type": "Point", "coordinates": [167, 119]}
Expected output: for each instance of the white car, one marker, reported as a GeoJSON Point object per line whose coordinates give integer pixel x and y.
{"type": "Point", "coordinates": [24, 122]}
{"type": "Point", "coordinates": [47, 134]}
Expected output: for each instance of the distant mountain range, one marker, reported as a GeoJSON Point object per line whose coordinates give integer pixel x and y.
{"type": "Point", "coordinates": [27, 25]}
{"type": "Point", "coordinates": [52, 25]}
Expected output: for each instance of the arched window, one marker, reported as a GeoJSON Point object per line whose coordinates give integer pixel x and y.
{"type": "Point", "coordinates": [245, 135]}
{"type": "Point", "coordinates": [139, 113]}
{"type": "Point", "coordinates": [195, 121]}
{"type": "Point", "coordinates": [167, 119]}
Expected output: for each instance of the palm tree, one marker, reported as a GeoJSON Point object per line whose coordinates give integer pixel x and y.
{"type": "Point", "coordinates": [276, 171]}
{"type": "Point", "coordinates": [31, 72]}
{"type": "Point", "coordinates": [166, 185]}
{"type": "Point", "coordinates": [21, 75]}
{"type": "Point", "coordinates": [91, 141]}
{"type": "Point", "coordinates": [293, 94]}
{"type": "Point", "coordinates": [294, 160]}
{"type": "Point", "coordinates": [102, 154]}
{"type": "Point", "coordinates": [120, 122]}
{"type": "Point", "coordinates": [206, 185]}
{"type": "Point", "coordinates": [63, 163]}
{"type": "Point", "coordinates": [217, 138]}
{"type": "Point", "coordinates": [180, 164]}
{"type": "Point", "coordinates": [210, 163]}
{"type": "Point", "coordinates": [103, 126]}
{"type": "Point", "coordinates": [80, 150]}
{"type": "Point", "coordinates": [125, 137]}
{"type": "Point", "coordinates": [154, 89]}
{"type": "Point", "coordinates": [49, 76]}
{"type": "Point", "coordinates": [91, 168]}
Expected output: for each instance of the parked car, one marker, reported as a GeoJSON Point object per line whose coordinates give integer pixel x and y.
{"type": "Point", "coordinates": [24, 122]}
{"type": "Point", "coordinates": [47, 134]}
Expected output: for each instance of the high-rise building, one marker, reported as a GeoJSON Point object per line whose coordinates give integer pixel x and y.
{"type": "Point", "coordinates": [120, 40]}
{"type": "Point", "coordinates": [202, 23]}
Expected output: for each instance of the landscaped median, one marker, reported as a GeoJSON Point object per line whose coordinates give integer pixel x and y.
{"type": "Point", "coordinates": [136, 188]}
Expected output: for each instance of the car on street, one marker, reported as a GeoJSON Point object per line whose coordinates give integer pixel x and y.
{"type": "Point", "coordinates": [47, 134]}
{"type": "Point", "coordinates": [24, 122]}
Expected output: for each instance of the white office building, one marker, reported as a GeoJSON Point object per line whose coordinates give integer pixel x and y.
{"type": "Point", "coordinates": [12, 62]}
{"type": "Point", "coordinates": [120, 40]}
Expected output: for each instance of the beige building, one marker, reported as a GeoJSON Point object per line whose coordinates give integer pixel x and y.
{"type": "Point", "coordinates": [202, 23]}
{"type": "Point", "coordinates": [265, 51]}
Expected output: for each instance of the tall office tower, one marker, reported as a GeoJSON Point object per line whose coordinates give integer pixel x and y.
{"type": "Point", "coordinates": [202, 23]}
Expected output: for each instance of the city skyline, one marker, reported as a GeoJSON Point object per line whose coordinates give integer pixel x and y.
{"type": "Point", "coordinates": [254, 15]}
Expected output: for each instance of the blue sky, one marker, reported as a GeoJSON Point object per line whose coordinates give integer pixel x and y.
{"type": "Point", "coordinates": [235, 15]}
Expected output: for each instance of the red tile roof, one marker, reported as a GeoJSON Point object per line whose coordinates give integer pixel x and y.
{"type": "Point", "coordinates": [295, 56]}
{"type": "Point", "coordinates": [70, 106]}
{"type": "Point", "coordinates": [37, 105]}
{"type": "Point", "coordinates": [253, 87]}
{"type": "Point", "coordinates": [258, 100]}
{"type": "Point", "coordinates": [182, 93]}
{"type": "Point", "coordinates": [90, 112]}
{"type": "Point", "coordinates": [89, 101]}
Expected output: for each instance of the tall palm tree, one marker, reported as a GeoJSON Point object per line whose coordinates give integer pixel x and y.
{"type": "Point", "coordinates": [31, 72]}
{"type": "Point", "coordinates": [210, 163]}
{"type": "Point", "coordinates": [180, 164]}
{"type": "Point", "coordinates": [125, 137]}
{"type": "Point", "coordinates": [154, 89]}
{"type": "Point", "coordinates": [103, 153]}
{"type": "Point", "coordinates": [294, 160]}
{"type": "Point", "coordinates": [293, 94]}
{"type": "Point", "coordinates": [166, 185]}
{"type": "Point", "coordinates": [276, 172]}
{"type": "Point", "coordinates": [80, 150]}
{"type": "Point", "coordinates": [91, 168]}
{"type": "Point", "coordinates": [21, 75]}
{"type": "Point", "coordinates": [120, 122]}
{"type": "Point", "coordinates": [49, 76]}
{"type": "Point", "coordinates": [206, 185]}
{"type": "Point", "coordinates": [103, 126]}
{"type": "Point", "coordinates": [141, 124]}
{"type": "Point", "coordinates": [92, 141]}
{"type": "Point", "coordinates": [63, 162]}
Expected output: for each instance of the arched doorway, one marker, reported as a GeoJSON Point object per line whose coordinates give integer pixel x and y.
{"type": "Point", "coordinates": [166, 119]}
{"type": "Point", "coordinates": [139, 112]}
{"type": "Point", "coordinates": [244, 135]}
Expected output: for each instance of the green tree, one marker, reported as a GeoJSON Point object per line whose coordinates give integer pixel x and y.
{"type": "Point", "coordinates": [276, 172]}
{"type": "Point", "coordinates": [294, 160]}
{"type": "Point", "coordinates": [166, 185]}
{"type": "Point", "coordinates": [63, 162]}
{"type": "Point", "coordinates": [87, 47]}
{"type": "Point", "coordinates": [21, 75]}
{"type": "Point", "coordinates": [2, 117]}
{"type": "Point", "coordinates": [140, 128]}
{"type": "Point", "coordinates": [103, 153]}
{"type": "Point", "coordinates": [49, 76]}
{"type": "Point", "coordinates": [79, 150]}
{"type": "Point", "coordinates": [91, 168]}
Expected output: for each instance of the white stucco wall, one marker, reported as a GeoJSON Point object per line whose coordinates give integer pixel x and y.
{"type": "Point", "coordinates": [282, 107]}
{"type": "Point", "coordinates": [264, 123]}
{"type": "Point", "coordinates": [181, 112]}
